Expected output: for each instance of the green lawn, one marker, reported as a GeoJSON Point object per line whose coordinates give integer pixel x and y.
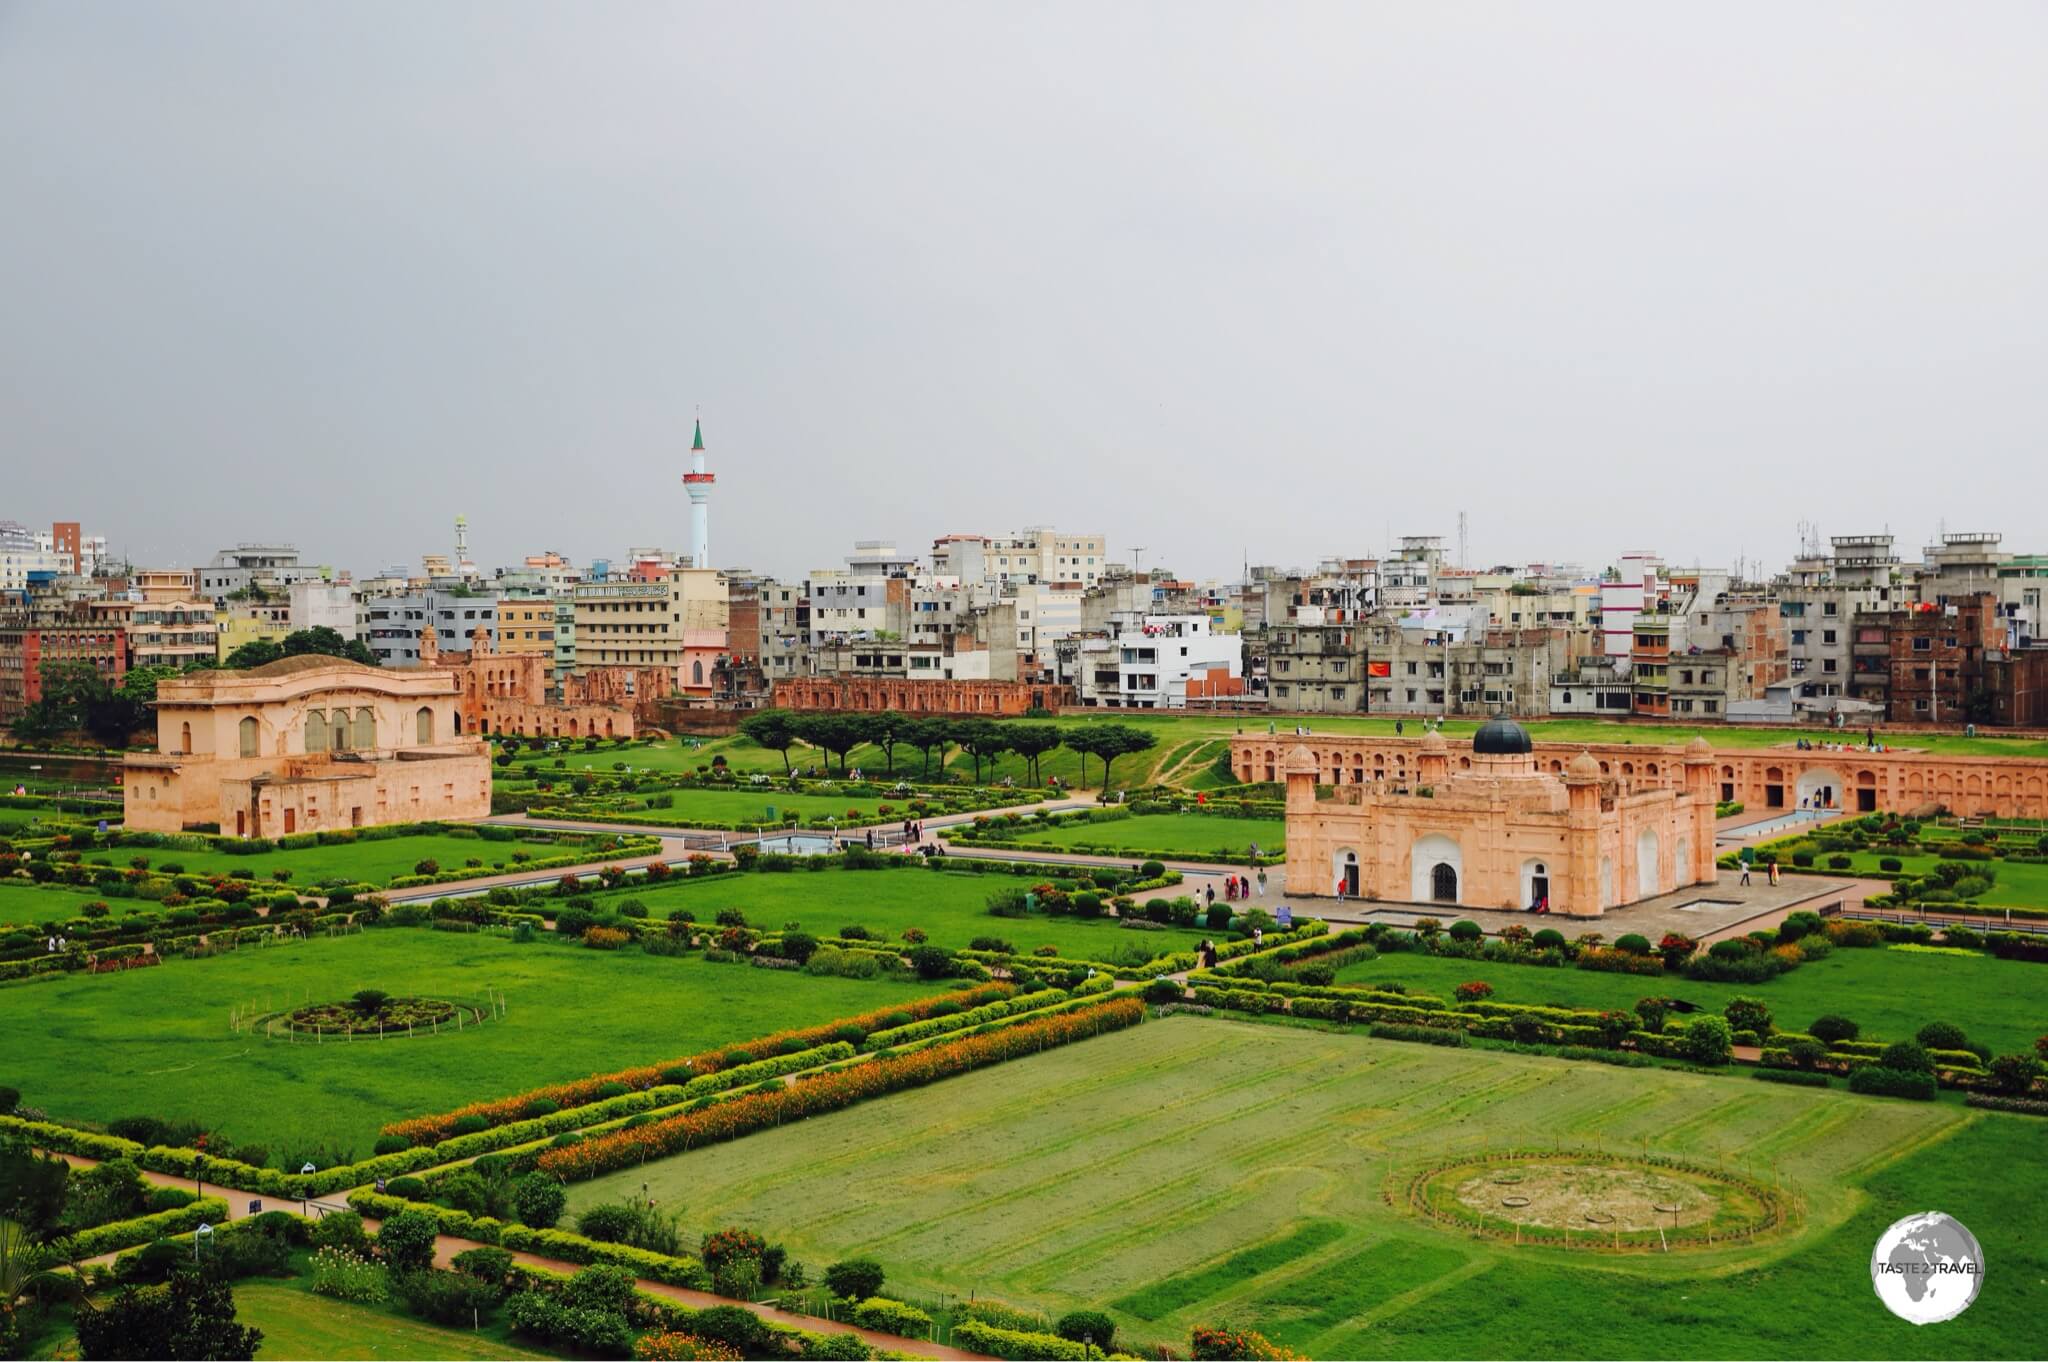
{"type": "Point", "coordinates": [372, 862]}
{"type": "Point", "coordinates": [298, 1324]}
{"type": "Point", "coordinates": [1193, 834]}
{"type": "Point", "coordinates": [952, 909]}
{"type": "Point", "coordinates": [745, 805]}
{"type": "Point", "coordinates": [28, 903]}
{"type": "Point", "coordinates": [2017, 884]}
{"type": "Point", "coordinates": [43, 822]}
{"type": "Point", "coordinates": [1890, 993]}
{"type": "Point", "coordinates": [158, 1041]}
{"type": "Point", "coordinates": [1198, 1171]}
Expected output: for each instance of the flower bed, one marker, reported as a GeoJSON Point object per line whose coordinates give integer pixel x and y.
{"type": "Point", "coordinates": [429, 1129]}
{"type": "Point", "coordinates": [832, 1091]}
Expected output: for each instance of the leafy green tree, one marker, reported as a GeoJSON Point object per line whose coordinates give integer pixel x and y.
{"type": "Point", "coordinates": [1107, 742]}
{"type": "Point", "coordinates": [836, 733]}
{"type": "Point", "coordinates": [983, 740]}
{"type": "Point", "coordinates": [189, 1317]}
{"type": "Point", "coordinates": [258, 652]}
{"type": "Point", "coordinates": [774, 729]}
{"type": "Point", "coordinates": [926, 735]}
{"type": "Point", "coordinates": [1032, 741]}
{"type": "Point", "coordinates": [540, 1200]}
{"type": "Point", "coordinates": [139, 685]}
{"type": "Point", "coordinates": [328, 643]}
{"type": "Point", "coordinates": [885, 730]}
{"type": "Point", "coordinates": [32, 1188]}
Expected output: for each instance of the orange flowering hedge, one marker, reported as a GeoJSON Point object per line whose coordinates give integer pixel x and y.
{"type": "Point", "coordinates": [583, 1091]}
{"type": "Point", "coordinates": [832, 1091]}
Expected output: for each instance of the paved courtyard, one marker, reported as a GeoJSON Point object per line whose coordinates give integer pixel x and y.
{"type": "Point", "coordinates": [1699, 911]}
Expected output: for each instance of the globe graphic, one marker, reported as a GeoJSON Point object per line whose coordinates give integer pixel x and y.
{"type": "Point", "coordinates": [1927, 1268]}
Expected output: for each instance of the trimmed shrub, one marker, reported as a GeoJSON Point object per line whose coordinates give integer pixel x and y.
{"type": "Point", "coordinates": [1876, 1080]}
{"type": "Point", "coordinates": [854, 1279]}
{"type": "Point", "coordinates": [1941, 1035]}
{"type": "Point", "coordinates": [1707, 1040]}
{"type": "Point", "coordinates": [892, 1317]}
{"type": "Point", "coordinates": [1832, 1028]}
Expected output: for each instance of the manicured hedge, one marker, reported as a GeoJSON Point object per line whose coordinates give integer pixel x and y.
{"type": "Point", "coordinates": [964, 1021]}
{"type": "Point", "coordinates": [1800, 1078]}
{"type": "Point", "coordinates": [143, 1229]}
{"type": "Point", "coordinates": [833, 1091]}
{"type": "Point", "coordinates": [1877, 1081]}
{"type": "Point", "coordinates": [975, 1336]}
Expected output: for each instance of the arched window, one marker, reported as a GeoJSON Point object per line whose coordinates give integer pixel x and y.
{"type": "Point", "coordinates": [185, 738]}
{"type": "Point", "coordinates": [424, 723]}
{"type": "Point", "coordinates": [1443, 883]}
{"type": "Point", "coordinates": [697, 672]}
{"type": "Point", "coordinates": [337, 731]}
{"type": "Point", "coordinates": [249, 736]}
{"type": "Point", "coordinates": [365, 732]}
{"type": "Point", "coordinates": [316, 730]}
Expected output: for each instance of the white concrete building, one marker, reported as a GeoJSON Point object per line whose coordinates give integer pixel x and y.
{"type": "Point", "coordinates": [1149, 661]}
{"type": "Point", "coordinates": [329, 605]}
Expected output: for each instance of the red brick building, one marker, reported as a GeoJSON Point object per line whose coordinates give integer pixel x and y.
{"type": "Point", "coordinates": [33, 635]}
{"type": "Point", "coordinates": [990, 699]}
{"type": "Point", "coordinates": [1938, 656]}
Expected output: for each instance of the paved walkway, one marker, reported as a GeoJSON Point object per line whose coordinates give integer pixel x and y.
{"type": "Point", "coordinates": [242, 1204]}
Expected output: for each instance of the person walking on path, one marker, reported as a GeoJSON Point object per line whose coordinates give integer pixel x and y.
{"type": "Point", "coordinates": [1209, 892]}
{"type": "Point", "coordinates": [1745, 872]}
{"type": "Point", "coordinates": [1262, 881]}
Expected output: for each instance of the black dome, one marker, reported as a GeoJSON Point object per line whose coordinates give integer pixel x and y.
{"type": "Point", "coordinates": [1502, 738]}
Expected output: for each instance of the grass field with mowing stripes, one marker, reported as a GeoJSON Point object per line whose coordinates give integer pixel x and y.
{"type": "Point", "coordinates": [1209, 1171]}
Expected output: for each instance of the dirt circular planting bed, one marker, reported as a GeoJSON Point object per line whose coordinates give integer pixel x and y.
{"type": "Point", "coordinates": [1597, 1200]}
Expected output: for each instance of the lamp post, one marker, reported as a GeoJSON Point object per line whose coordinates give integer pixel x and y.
{"type": "Point", "coordinates": [201, 1236]}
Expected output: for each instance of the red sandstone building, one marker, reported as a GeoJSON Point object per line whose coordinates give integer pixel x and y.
{"type": "Point", "coordinates": [1764, 778]}
{"type": "Point", "coordinates": [988, 699]}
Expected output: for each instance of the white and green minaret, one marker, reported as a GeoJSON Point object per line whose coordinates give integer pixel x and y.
{"type": "Point", "coordinates": [698, 483]}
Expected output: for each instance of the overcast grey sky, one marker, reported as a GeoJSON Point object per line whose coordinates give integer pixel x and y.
{"type": "Point", "coordinates": [1223, 280]}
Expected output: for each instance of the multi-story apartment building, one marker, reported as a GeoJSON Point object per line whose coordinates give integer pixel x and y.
{"type": "Point", "coordinates": [1160, 662]}
{"type": "Point", "coordinates": [1314, 666]}
{"type": "Point", "coordinates": [27, 563]}
{"type": "Point", "coordinates": [266, 569]}
{"type": "Point", "coordinates": [235, 627]}
{"type": "Point", "coordinates": [1457, 665]}
{"type": "Point", "coordinates": [159, 585]}
{"type": "Point", "coordinates": [1966, 565]}
{"type": "Point", "coordinates": [323, 605]}
{"type": "Point", "coordinates": [1938, 657]}
{"type": "Point", "coordinates": [526, 624]}
{"type": "Point", "coordinates": [1022, 558]}
{"type": "Point", "coordinates": [680, 622]}
{"type": "Point", "coordinates": [391, 625]}
{"type": "Point", "coordinates": [34, 634]}
{"type": "Point", "coordinates": [1407, 577]}
{"type": "Point", "coordinates": [173, 634]}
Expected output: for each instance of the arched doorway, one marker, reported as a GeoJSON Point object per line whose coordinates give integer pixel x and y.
{"type": "Point", "coordinates": [1344, 873]}
{"type": "Point", "coordinates": [1646, 863]}
{"type": "Point", "coordinates": [1436, 865]}
{"type": "Point", "coordinates": [1535, 883]}
{"type": "Point", "coordinates": [1820, 788]}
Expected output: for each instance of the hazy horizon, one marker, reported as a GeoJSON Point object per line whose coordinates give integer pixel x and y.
{"type": "Point", "coordinates": [1232, 284]}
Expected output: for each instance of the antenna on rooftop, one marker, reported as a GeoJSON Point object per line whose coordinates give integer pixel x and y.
{"type": "Point", "coordinates": [1464, 549]}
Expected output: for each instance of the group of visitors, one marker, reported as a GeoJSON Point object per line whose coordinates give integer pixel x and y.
{"type": "Point", "coordinates": [913, 829]}
{"type": "Point", "coordinates": [1870, 744]}
{"type": "Point", "coordinates": [57, 943]}
{"type": "Point", "coordinates": [1240, 886]}
{"type": "Point", "coordinates": [1771, 869]}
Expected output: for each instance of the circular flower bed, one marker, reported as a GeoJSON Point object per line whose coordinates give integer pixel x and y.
{"type": "Point", "coordinates": [385, 1015]}
{"type": "Point", "coordinates": [1564, 1198]}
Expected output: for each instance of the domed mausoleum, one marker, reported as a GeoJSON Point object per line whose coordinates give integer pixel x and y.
{"type": "Point", "coordinates": [1488, 828]}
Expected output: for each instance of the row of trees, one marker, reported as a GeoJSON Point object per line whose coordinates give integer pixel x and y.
{"type": "Point", "coordinates": [983, 740]}
{"type": "Point", "coordinates": [77, 696]}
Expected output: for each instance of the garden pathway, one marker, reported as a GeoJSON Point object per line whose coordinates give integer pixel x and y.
{"type": "Point", "coordinates": [242, 1204]}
